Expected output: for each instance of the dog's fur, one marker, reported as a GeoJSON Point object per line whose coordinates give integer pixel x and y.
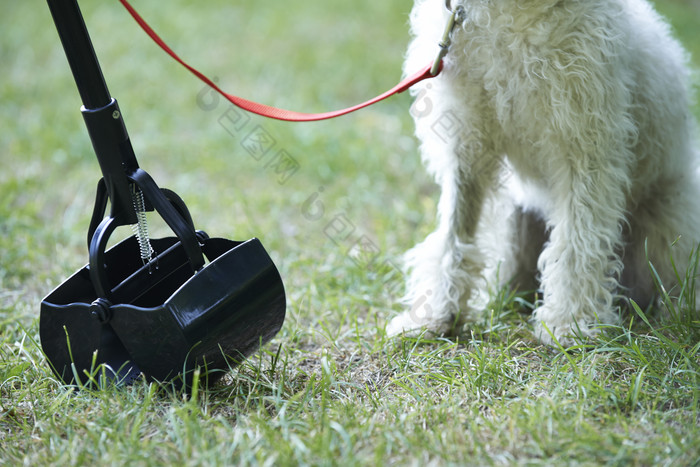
{"type": "Point", "coordinates": [560, 134]}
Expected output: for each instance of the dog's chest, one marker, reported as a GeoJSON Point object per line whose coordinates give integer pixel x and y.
{"type": "Point", "coordinates": [512, 71]}
{"type": "Point", "coordinates": [518, 70]}
{"type": "Point", "coordinates": [509, 59]}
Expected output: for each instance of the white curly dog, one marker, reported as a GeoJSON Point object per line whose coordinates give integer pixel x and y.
{"type": "Point", "coordinates": [560, 134]}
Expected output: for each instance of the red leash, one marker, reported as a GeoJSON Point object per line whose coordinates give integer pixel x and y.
{"type": "Point", "coordinates": [266, 110]}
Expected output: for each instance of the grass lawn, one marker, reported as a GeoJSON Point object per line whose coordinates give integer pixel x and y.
{"type": "Point", "coordinates": [330, 388]}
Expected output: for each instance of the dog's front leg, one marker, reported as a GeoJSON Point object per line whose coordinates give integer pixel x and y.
{"type": "Point", "coordinates": [446, 269]}
{"type": "Point", "coordinates": [580, 265]}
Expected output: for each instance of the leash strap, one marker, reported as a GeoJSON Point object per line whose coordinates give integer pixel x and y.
{"type": "Point", "coordinates": [266, 110]}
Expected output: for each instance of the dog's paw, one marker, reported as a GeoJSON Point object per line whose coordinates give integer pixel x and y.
{"type": "Point", "coordinates": [410, 325]}
{"type": "Point", "coordinates": [564, 335]}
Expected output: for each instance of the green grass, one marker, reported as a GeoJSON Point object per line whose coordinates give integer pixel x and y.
{"type": "Point", "coordinates": [330, 388]}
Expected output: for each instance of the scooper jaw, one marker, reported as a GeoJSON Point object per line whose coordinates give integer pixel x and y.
{"type": "Point", "coordinates": [153, 307]}
{"type": "Point", "coordinates": [164, 324]}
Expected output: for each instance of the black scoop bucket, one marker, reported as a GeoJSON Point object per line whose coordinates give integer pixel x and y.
{"type": "Point", "coordinates": [152, 308]}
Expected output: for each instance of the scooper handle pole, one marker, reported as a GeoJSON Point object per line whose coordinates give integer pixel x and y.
{"type": "Point", "coordinates": [101, 113]}
{"type": "Point", "coordinates": [80, 53]}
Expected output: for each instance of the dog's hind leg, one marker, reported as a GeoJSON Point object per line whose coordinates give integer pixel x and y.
{"type": "Point", "coordinates": [528, 235]}
{"type": "Point", "coordinates": [664, 230]}
{"type": "Point", "coordinates": [511, 237]}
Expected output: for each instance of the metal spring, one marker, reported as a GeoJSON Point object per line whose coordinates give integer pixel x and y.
{"type": "Point", "coordinates": [140, 229]}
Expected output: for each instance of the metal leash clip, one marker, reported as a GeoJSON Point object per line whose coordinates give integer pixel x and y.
{"type": "Point", "coordinates": [456, 16]}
